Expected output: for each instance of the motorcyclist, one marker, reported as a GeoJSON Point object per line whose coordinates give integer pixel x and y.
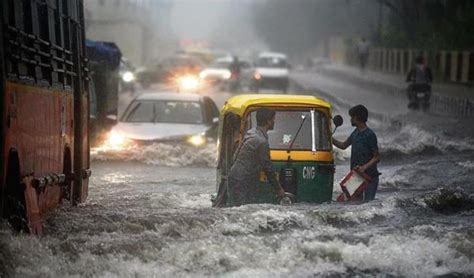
{"type": "Point", "coordinates": [234, 68]}
{"type": "Point", "coordinates": [420, 77]}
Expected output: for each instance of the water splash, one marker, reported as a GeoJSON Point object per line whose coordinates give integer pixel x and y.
{"type": "Point", "coordinates": [161, 154]}
{"type": "Point", "coordinates": [411, 140]}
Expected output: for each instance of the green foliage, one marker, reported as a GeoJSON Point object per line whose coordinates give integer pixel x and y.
{"type": "Point", "coordinates": [392, 37]}
{"type": "Point", "coordinates": [297, 25]}
{"type": "Point", "coordinates": [428, 24]}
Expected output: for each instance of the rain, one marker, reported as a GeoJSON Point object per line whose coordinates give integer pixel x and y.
{"type": "Point", "coordinates": [149, 209]}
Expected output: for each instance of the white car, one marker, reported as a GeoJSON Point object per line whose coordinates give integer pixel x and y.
{"type": "Point", "coordinates": [165, 117]}
{"type": "Point", "coordinates": [271, 71]}
{"type": "Point", "coordinates": [218, 70]}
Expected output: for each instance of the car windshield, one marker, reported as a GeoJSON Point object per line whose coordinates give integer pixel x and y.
{"type": "Point", "coordinates": [164, 111]}
{"type": "Point", "coordinates": [287, 123]}
{"type": "Point", "coordinates": [272, 62]}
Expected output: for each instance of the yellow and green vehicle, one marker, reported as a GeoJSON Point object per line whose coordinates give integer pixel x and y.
{"type": "Point", "coordinates": [300, 145]}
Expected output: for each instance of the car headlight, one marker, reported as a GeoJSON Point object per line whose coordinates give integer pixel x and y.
{"type": "Point", "coordinates": [115, 141]}
{"type": "Point", "coordinates": [128, 77]}
{"type": "Point", "coordinates": [197, 140]}
{"type": "Point", "coordinates": [227, 75]}
{"type": "Point", "coordinates": [188, 83]}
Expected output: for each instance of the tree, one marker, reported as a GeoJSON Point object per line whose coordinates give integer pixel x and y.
{"type": "Point", "coordinates": [429, 23]}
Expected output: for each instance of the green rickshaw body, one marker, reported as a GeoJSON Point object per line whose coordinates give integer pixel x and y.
{"type": "Point", "coordinates": [314, 182]}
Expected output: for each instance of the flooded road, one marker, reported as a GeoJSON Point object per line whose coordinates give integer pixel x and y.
{"type": "Point", "coordinates": [149, 215]}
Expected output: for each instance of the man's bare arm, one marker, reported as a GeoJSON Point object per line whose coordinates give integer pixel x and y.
{"type": "Point", "coordinates": [341, 145]}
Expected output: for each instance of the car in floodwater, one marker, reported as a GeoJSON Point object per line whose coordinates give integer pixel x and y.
{"type": "Point", "coordinates": [165, 117]}
{"type": "Point", "coordinates": [271, 72]}
{"type": "Point", "coordinates": [218, 72]}
{"type": "Point", "coordinates": [168, 69]}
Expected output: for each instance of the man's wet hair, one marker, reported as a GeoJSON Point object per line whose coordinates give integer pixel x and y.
{"type": "Point", "coordinates": [360, 112]}
{"type": "Point", "coordinates": [264, 115]}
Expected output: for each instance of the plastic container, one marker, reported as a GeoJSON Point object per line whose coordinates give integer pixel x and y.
{"type": "Point", "coordinates": [353, 185]}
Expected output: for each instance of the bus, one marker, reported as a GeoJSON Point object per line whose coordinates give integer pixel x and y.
{"type": "Point", "coordinates": [44, 105]}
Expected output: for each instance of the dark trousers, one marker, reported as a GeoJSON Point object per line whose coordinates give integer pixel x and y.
{"type": "Point", "coordinates": [240, 192]}
{"type": "Point", "coordinates": [363, 60]}
{"type": "Point", "coordinates": [369, 193]}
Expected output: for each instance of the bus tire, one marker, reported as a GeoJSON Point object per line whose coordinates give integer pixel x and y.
{"type": "Point", "coordinates": [14, 195]}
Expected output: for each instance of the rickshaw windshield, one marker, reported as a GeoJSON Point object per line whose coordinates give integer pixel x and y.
{"type": "Point", "coordinates": [287, 123]}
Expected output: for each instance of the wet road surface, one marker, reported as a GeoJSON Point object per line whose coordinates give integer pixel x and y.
{"type": "Point", "coordinates": [149, 215]}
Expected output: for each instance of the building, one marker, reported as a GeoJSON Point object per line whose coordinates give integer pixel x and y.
{"type": "Point", "coordinates": [140, 28]}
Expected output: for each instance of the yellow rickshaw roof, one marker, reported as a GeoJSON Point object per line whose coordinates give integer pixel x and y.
{"type": "Point", "coordinates": [239, 104]}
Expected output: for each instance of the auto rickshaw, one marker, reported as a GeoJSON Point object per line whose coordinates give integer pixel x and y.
{"type": "Point", "coordinates": [300, 145]}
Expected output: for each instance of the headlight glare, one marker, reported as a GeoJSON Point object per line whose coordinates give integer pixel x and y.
{"type": "Point", "coordinates": [197, 140]}
{"type": "Point", "coordinates": [227, 75]}
{"type": "Point", "coordinates": [128, 76]}
{"type": "Point", "coordinates": [115, 141]}
{"type": "Point", "coordinates": [188, 83]}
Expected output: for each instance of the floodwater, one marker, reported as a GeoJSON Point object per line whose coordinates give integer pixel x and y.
{"type": "Point", "coordinates": [149, 215]}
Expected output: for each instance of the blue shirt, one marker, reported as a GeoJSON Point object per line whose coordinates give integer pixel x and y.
{"type": "Point", "coordinates": [364, 145]}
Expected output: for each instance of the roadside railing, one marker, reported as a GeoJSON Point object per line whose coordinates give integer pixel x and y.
{"type": "Point", "coordinates": [453, 68]}
{"type": "Point", "coordinates": [447, 66]}
{"type": "Point", "coordinates": [453, 106]}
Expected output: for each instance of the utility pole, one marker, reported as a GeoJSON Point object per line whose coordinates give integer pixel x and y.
{"type": "Point", "coordinates": [379, 23]}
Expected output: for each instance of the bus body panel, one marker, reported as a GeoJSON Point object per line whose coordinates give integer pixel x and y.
{"type": "Point", "coordinates": [44, 108]}
{"type": "Point", "coordinates": [40, 134]}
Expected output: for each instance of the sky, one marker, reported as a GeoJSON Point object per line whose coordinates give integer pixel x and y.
{"type": "Point", "coordinates": [221, 23]}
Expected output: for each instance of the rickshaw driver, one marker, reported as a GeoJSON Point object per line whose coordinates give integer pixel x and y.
{"type": "Point", "coordinates": [250, 159]}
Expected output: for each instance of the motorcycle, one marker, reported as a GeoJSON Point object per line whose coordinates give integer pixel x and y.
{"type": "Point", "coordinates": [419, 96]}
{"type": "Point", "coordinates": [234, 82]}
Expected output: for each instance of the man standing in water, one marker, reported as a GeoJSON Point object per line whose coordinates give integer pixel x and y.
{"type": "Point", "coordinates": [365, 153]}
{"type": "Point", "coordinates": [363, 53]}
{"type": "Point", "coordinates": [250, 159]}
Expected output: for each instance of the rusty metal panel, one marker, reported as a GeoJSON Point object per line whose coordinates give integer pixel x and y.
{"type": "Point", "coordinates": [2, 105]}
{"type": "Point", "coordinates": [43, 102]}
{"type": "Point", "coordinates": [38, 130]}
{"type": "Point", "coordinates": [80, 107]}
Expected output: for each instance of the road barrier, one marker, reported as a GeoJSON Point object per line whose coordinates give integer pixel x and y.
{"type": "Point", "coordinates": [454, 106]}
{"type": "Point", "coordinates": [447, 66]}
{"type": "Point", "coordinates": [450, 67]}
{"type": "Point", "coordinates": [443, 103]}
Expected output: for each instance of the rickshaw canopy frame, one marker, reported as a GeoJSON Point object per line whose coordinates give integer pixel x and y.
{"type": "Point", "coordinates": [241, 103]}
